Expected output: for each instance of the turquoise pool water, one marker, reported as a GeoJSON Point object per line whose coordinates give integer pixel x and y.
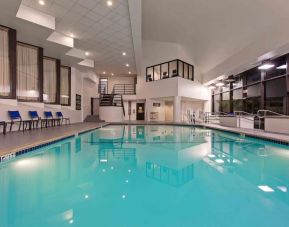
{"type": "Point", "coordinates": [148, 176]}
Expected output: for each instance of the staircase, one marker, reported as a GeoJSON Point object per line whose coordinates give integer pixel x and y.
{"type": "Point", "coordinates": [93, 118]}
{"type": "Point", "coordinates": [112, 100]}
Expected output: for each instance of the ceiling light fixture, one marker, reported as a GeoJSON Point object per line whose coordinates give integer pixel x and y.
{"type": "Point", "coordinates": [266, 66]}
{"type": "Point", "coordinates": [129, 72]}
{"type": "Point", "coordinates": [127, 65]}
{"type": "Point", "coordinates": [86, 53]}
{"type": "Point", "coordinates": [220, 84]}
{"type": "Point", "coordinates": [103, 72]}
{"type": "Point", "coordinates": [282, 67]}
{"type": "Point", "coordinates": [123, 53]}
{"type": "Point", "coordinates": [41, 2]}
{"type": "Point", "coordinates": [112, 74]}
{"type": "Point", "coordinates": [109, 3]}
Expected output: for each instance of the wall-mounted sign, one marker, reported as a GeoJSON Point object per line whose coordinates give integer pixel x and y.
{"type": "Point", "coordinates": [78, 102]}
{"type": "Point", "coordinates": [156, 104]}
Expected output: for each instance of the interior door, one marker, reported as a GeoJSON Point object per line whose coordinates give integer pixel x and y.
{"type": "Point", "coordinates": [94, 106]}
{"type": "Point", "coordinates": [140, 111]}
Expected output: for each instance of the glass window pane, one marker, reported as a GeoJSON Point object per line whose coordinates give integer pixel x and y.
{"type": "Point", "coordinates": [251, 76]}
{"type": "Point", "coordinates": [173, 69]}
{"type": "Point", "coordinates": [186, 71]}
{"type": "Point", "coordinates": [149, 74]}
{"type": "Point", "coordinates": [238, 99]}
{"type": "Point", "coordinates": [27, 72]}
{"type": "Point", "coordinates": [278, 69]}
{"type": "Point", "coordinates": [253, 91]}
{"type": "Point", "coordinates": [191, 73]}
{"type": "Point", "coordinates": [64, 86]}
{"type": "Point", "coordinates": [216, 103]}
{"type": "Point", "coordinates": [4, 63]}
{"type": "Point", "coordinates": [276, 93]}
{"type": "Point", "coordinates": [225, 103]}
{"type": "Point", "coordinates": [165, 70]}
{"type": "Point", "coordinates": [49, 80]}
{"type": "Point", "coordinates": [180, 65]}
{"type": "Point", "coordinates": [157, 72]}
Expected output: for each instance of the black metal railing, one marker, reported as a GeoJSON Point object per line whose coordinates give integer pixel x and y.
{"type": "Point", "coordinates": [112, 100]}
{"type": "Point", "coordinates": [124, 89]}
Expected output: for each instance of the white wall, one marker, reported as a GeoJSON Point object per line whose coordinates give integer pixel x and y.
{"type": "Point", "coordinates": [83, 83]}
{"type": "Point", "coordinates": [169, 111]}
{"type": "Point", "coordinates": [160, 110]}
{"type": "Point", "coordinates": [111, 113]}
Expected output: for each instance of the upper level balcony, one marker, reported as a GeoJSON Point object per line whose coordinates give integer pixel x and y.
{"type": "Point", "coordinates": [170, 69]}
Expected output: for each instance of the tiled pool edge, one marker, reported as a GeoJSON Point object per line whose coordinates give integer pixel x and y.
{"type": "Point", "coordinates": [32, 147]}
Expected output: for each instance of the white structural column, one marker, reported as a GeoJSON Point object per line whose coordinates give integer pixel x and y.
{"type": "Point", "coordinates": [177, 109]}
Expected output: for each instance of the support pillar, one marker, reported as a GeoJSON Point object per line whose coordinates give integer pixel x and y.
{"type": "Point", "coordinates": [177, 109]}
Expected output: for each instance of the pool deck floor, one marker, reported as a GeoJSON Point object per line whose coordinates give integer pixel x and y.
{"type": "Point", "coordinates": [17, 141]}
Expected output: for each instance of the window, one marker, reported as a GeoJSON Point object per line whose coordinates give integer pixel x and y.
{"type": "Point", "coordinates": [279, 69]}
{"type": "Point", "coordinates": [253, 100]}
{"type": "Point", "coordinates": [225, 103]}
{"type": "Point", "coordinates": [5, 79]}
{"type": "Point", "coordinates": [181, 69]}
{"type": "Point", "coordinates": [157, 72]}
{"type": "Point", "coordinates": [65, 86]}
{"type": "Point", "coordinates": [173, 68]}
{"type": "Point", "coordinates": [28, 78]}
{"type": "Point", "coordinates": [217, 103]}
{"type": "Point", "coordinates": [49, 80]}
{"type": "Point", "coordinates": [275, 97]}
{"type": "Point", "coordinates": [251, 76]}
{"type": "Point", "coordinates": [238, 99]}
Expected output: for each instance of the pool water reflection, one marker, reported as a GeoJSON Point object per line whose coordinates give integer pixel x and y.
{"type": "Point", "coordinates": [148, 176]}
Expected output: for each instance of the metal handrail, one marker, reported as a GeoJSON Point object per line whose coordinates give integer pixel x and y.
{"type": "Point", "coordinates": [267, 111]}
{"type": "Point", "coordinates": [239, 113]}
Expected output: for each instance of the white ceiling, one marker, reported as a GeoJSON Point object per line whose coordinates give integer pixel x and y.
{"type": "Point", "coordinates": [214, 31]}
{"type": "Point", "coordinates": [105, 32]}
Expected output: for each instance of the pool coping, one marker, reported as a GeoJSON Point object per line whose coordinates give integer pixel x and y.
{"type": "Point", "coordinates": [26, 148]}
{"type": "Point", "coordinates": [267, 136]}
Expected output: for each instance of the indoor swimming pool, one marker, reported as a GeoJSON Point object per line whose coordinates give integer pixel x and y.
{"type": "Point", "coordinates": [148, 176]}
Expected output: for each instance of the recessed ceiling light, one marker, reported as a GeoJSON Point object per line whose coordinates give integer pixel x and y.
{"type": "Point", "coordinates": [103, 72]}
{"type": "Point", "coordinates": [109, 3]}
{"type": "Point", "coordinates": [112, 74]}
{"type": "Point", "coordinates": [41, 2]}
{"type": "Point", "coordinates": [127, 65]}
{"type": "Point", "coordinates": [86, 53]}
{"type": "Point", "coordinates": [266, 66]}
{"type": "Point", "coordinates": [123, 53]}
{"type": "Point", "coordinates": [129, 72]}
{"type": "Point", "coordinates": [282, 67]}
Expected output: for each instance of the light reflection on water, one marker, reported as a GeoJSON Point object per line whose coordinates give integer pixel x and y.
{"type": "Point", "coordinates": [148, 176]}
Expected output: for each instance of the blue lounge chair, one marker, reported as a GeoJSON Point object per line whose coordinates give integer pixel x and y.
{"type": "Point", "coordinates": [50, 119]}
{"type": "Point", "coordinates": [15, 117]}
{"type": "Point", "coordinates": [36, 119]}
{"type": "Point", "coordinates": [62, 118]}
